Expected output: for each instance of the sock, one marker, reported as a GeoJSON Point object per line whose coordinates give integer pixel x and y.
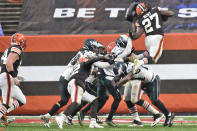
{"type": "Point", "coordinates": [16, 104]}
{"type": "Point", "coordinates": [133, 111]}
{"type": "Point", "coordinates": [93, 109]}
{"type": "Point", "coordinates": [71, 108]}
{"type": "Point", "coordinates": [3, 109]}
{"type": "Point", "coordinates": [113, 109]}
{"type": "Point", "coordinates": [150, 108]}
{"type": "Point", "coordinates": [161, 107]}
{"type": "Point", "coordinates": [54, 109]}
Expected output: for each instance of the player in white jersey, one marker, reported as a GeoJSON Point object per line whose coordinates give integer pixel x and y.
{"type": "Point", "coordinates": [146, 80]}
{"type": "Point", "coordinates": [9, 82]}
{"type": "Point", "coordinates": [88, 51]}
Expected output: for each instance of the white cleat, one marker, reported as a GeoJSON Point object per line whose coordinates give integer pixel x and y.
{"type": "Point", "coordinates": [60, 121]}
{"type": "Point", "coordinates": [46, 120]}
{"type": "Point", "coordinates": [93, 124]}
{"type": "Point", "coordinates": [157, 119]}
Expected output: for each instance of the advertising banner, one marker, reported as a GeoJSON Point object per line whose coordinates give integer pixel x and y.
{"type": "Point", "coordinates": [97, 16]}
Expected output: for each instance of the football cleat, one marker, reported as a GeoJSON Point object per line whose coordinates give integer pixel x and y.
{"type": "Point", "coordinates": [4, 120]}
{"type": "Point", "coordinates": [110, 123]}
{"type": "Point", "coordinates": [169, 120]}
{"type": "Point", "coordinates": [60, 121]}
{"type": "Point", "coordinates": [136, 123]}
{"type": "Point", "coordinates": [157, 118]}
{"type": "Point", "coordinates": [93, 124]}
{"type": "Point", "coordinates": [46, 119]}
{"type": "Point", "coordinates": [98, 121]}
{"type": "Point", "coordinates": [68, 120]}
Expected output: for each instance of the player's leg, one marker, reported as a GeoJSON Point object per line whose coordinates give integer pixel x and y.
{"type": "Point", "coordinates": [76, 93]}
{"type": "Point", "coordinates": [4, 86]}
{"type": "Point", "coordinates": [154, 45]}
{"type": "Point", "coordinates": [131, 107]}
{"type": "Point", "coordinates": [117, 98]}
{"type": "Point", "coordinates": [153, 91]}
{"type": "Point", "coordinates": [7, 84]}
{"type": "Point", "coordinates": [93, 109]}
{"type": "Point", "coordinates": [63, 83]}
{"type": "Point", "coordinates": [136, 99]}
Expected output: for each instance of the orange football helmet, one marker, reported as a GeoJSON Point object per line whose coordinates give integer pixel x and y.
{"type": "Point", "coordinates": [18, 39]}
{"type": "Point", "coordinates": [141, 8]}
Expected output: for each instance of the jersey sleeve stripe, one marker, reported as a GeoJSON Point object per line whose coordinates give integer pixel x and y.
{"type": "Point", "coordinates": [16, 50]}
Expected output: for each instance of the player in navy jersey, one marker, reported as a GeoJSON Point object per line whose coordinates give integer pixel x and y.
{"type": "Point", "coordinates": [9, 82]}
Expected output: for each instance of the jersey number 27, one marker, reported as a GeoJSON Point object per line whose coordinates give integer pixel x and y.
{"type": "Point", "coordinates": [148, 24]}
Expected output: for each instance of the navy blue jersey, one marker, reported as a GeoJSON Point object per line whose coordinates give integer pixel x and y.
{"type": "Point", "coordinates": [15, 49]}
{"type": "Point", "coordinates": [152, 22]}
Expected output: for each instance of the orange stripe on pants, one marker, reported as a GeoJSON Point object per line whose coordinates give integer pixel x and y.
{"type": "Point", "coordinates": [8, 89]}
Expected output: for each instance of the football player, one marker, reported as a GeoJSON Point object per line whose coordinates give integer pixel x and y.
{"type": "Point", "coordinates": [150, 21]}
{"type": "Point", "coordinates": [76, 88]}
{"type": "Point", "coordinates": [10, 61]}
{"type": "Point", "coordinates": [146, 80]}
{"type": "Point", "coordinates": [88, 50]}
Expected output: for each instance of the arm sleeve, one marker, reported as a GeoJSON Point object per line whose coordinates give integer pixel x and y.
{"type": "Point", "coordinates": [127, 50]}
{"type": "Point", "coordinates": [102, 64]}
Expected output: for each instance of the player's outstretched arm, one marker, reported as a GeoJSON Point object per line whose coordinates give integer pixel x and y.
{"type": "Point", "coordinates": [168, 13]}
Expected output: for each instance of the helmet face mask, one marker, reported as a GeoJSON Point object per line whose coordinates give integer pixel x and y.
{"type": "Point", "coordinates": [18, 39]}
{"type": "Point", "coordinates": [100, 48]}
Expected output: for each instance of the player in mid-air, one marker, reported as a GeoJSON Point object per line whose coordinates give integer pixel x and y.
{"type": "Point", "coordinates": [150, 21]}
{"type": "Point", "coordinates": [9, 83]}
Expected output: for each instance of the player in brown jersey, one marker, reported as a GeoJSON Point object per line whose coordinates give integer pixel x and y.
{"type": "Point", "coordinates": [10, 61]}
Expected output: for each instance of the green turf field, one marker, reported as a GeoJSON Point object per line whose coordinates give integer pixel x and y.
{"type": "Point", "coordinates": [181, 124]}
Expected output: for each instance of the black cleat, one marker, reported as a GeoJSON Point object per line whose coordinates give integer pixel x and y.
{"type": "Point", "coordinates": [110, 123]}
{"type": "Point", "coordinates": [136, 123]}
{"type": "Point", "coordinates": [69, 120]}
{"type": "Point", "coordinates": [98, 121]}
{"type": "Point", "coordinates": [169, 120]}
{"type": "Point", "coordinates": [157, 118]}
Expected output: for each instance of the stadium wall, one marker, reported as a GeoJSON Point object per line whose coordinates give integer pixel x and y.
{"type": "Point", "coordinates": [46, 56]}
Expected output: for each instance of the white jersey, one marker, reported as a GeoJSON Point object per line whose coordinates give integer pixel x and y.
{"type": "Point", "coordinates": [142, 73]}
{"type": "Point", "coordinates": [117, 50]}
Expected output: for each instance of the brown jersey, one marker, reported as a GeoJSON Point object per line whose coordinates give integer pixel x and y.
{"type": "Point", "coordinates": [15, 49]}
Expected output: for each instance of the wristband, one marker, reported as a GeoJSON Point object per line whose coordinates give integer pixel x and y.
{"type": "Point", "coordinates": [13, 74]}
